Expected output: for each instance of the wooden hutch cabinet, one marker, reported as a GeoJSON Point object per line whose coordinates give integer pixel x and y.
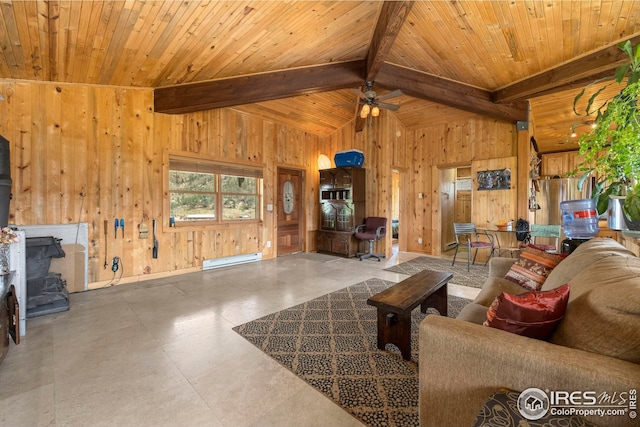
{"type": "Point", "coordinates": [342, 205]}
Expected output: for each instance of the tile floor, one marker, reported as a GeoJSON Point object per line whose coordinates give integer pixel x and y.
{"type": "Point", "coordinates": [162, 352]}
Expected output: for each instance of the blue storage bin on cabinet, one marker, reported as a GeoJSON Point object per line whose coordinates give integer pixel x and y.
{"type": "Point", "coordinates": [349, 158]}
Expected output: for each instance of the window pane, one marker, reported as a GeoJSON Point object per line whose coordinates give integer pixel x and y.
{"type": "Point", "coordinates": [191, 181]}
{"type": "Point", "coordinates": [193, 206]}
{"type": "Point", "coordinates": [239, 207]}
{"type": "Point", "coordinates": [238, 184]}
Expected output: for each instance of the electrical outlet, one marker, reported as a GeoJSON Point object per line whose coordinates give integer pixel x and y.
{"type": "Point", "coordinates": [419, 240]}
{"type": "Point", "coordinates": [268, 243]}
{"type": "Point", "coordinates": [115, 264]}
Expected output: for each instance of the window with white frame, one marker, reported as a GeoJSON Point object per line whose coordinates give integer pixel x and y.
{"type": "Point", "coordinates": [207, 191]}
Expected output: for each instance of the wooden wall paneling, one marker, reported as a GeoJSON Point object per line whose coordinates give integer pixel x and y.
{"type": "Point", "coordinates": [20, 137]}
{"type": "Point", "coordinates": [524, 154]}
{"type": "Point", "coordinates": [310, 182]}
{"type": "Point", "coordinates": [95, 209]}
{"type": "Point", "coordinates": [449, 206]}
{"type": "Point", "coordinates": [148, 151]}
{"type": "Point", "coordinates": [67, 194]}
{"type": "Point", "coordinates": [432, 239]}
{"type": "Point", "coordinates": [38, 163]}
{"type": "Point", "coordinates": [492, 206]}
{"type": "Point", "coordinates": [77, 149]}
{"type": "Point", "coordinates": [419, 184]}
{"type": "Point", "coordinates": [269, 226]}
{"type": "Point", "coordinates": [130, 138]}
{"type": "Point", "coordinates": [384, 150]}
{"type": "Point", "coordinates": [52, 143]}
{"type": "Point", "coordinates": [228, 134]}
{"type": "Point", "coordinates": [496, 139]}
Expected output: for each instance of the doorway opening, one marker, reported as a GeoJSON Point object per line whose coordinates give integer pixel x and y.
{"type": "Point", "coordinates": [395, 211]}
{"type": "Point", "coordinates": [455, 202]}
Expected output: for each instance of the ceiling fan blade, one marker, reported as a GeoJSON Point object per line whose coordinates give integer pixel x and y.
{"type": "Point", "coordinates": [359, 93]}
{"type": "Point", "coordinates": [392, 107]}
{"type": "Point", "coordinates": [392, 94]}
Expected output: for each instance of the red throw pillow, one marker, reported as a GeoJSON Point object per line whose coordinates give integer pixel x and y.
{"type": "Point", "coordinates": [533, 267]}
{"type": "Point", "coordinates": [532, 314]}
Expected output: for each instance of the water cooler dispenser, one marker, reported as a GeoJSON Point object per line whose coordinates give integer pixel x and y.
{"type": "Point", "coordinates": [580, 219]}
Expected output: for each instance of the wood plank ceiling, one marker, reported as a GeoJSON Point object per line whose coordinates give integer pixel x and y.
{"type": "Point", "coordinates": [292, 61]}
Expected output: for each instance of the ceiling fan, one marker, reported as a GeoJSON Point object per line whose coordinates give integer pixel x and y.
{"type": "Point", "coordinates": [371, 102]}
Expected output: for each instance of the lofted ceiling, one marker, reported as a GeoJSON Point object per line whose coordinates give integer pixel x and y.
{"type": "Point", "coordinates": [293, 61]}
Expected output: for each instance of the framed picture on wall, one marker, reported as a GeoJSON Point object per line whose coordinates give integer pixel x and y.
{"type": "Point", "coordinates": [499, 179]}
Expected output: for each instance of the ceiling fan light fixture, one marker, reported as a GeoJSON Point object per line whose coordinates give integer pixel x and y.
{"type": "Point", "coordinates": [365, 111]}
{"type": "Point", "coordinates": [375, 111]}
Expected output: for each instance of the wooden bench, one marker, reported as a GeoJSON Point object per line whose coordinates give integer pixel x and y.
{"type": "Point", "coordinates": [395, 304]}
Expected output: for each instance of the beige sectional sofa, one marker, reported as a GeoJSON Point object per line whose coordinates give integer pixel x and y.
{"type": "Point", "coordinates": [596, 346]}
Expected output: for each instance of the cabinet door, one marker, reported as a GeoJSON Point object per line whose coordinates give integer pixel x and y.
{"type": "Point", "coordinates": [341, 243]}
{"type": "Point", "coordinates": [343, 178]}
{"type": "Point", "coordinates": [344, 217]}
{"type": "Point", "coordinates": [326, 179]}
{"type": "Point", "coordinates": [554, 164]}
{"type": "Point", "coordinates": [328, 217]}
{"type": "Point", "coordinates": [324, 241]}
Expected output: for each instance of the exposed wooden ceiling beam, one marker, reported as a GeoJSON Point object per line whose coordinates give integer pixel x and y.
{"type": "Point", "coordinates": [447, 92]}
{"type": "Point", "coordinates": [581, 70]}
{"type": "Point", "coordinates": [390, 22]}
{"type": "Point", "coordinates": [257, 88]}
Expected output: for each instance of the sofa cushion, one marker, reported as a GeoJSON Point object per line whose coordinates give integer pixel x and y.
{"type": "Point", "coordinates": [493, 287]}
{"type": "Point", "coordinates": [605, 318]}
{"type": "Point", "coordinates": [473, 313]}
{"type": "Point", "coordinates": [532, 267]}
{"type": "Point", "coordinates": [532, 314]}
{"type": "Point", "coordinates": [582, 257]}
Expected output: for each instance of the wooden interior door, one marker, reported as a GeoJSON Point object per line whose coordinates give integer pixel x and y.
{"type": "Point", "coordinates": [290, 211]}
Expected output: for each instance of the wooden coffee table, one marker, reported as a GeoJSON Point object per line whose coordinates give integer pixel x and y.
{"type": "Point", "coordinates": [395, 304]}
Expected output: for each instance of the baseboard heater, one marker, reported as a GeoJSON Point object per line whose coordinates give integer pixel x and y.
{"type": "Point", "coordinates": [209, 264]}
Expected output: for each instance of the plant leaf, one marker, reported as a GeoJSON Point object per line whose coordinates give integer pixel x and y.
{"type": "Point", "coordinates": [626, 48]}
{"type": "Point", "coordinates": [583, 178]}
{"type": "Point", "coordinates": [621, 70]}
{"type": "Point", "coordinates": [577, 98]}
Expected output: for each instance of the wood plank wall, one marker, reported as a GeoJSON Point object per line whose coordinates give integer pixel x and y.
{"type": "Point", "coordinates": [89, 153]}
{"type": "Point", "coordinates": [418, 155]}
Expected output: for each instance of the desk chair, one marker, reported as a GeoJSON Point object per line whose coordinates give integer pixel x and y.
{"type": "Point", "coordinates": [374, 229]}
{"type": "Point", "coordinates": [468, 237]}
{"type": "Point", "coordinates": [548, 232]}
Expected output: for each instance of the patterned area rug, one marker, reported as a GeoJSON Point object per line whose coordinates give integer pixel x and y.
{"type": "Point", "coordinates": [330, 342]}
{"type": "Point", "coordinates": [474, 278]}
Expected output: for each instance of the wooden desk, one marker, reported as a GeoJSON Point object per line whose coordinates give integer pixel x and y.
{"type": "Point", "coordinates": [395, 304]}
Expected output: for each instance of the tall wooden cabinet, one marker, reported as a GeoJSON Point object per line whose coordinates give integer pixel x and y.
{"type": "Point", "coordinates": [342, 205]}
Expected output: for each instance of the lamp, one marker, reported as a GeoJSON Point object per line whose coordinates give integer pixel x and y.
{"type": "Point", "coordinates": [375, 111]}
{"type": "Point", "coordinates": [324, 162]}
{"type": "Point", "coordinates": [365, 111]}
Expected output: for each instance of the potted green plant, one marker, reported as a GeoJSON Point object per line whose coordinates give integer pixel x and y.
{"type": "Point", "coordinates": [611, 149]}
